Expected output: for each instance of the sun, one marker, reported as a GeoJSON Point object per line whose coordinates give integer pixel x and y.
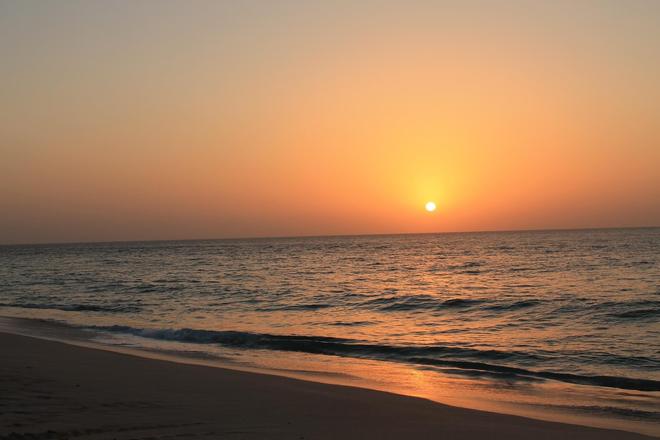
{"type": "Point", "coordinates": [430, 206]}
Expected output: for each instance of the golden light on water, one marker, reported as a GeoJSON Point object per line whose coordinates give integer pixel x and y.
{"type": "Point", "coordinates": [430, 206]}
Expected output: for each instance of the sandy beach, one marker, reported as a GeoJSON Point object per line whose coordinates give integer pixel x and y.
{"type": "Point", "coordinates": [55, 390]}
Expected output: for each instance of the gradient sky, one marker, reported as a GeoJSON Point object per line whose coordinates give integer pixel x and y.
{"type": "Point", "coordinates": [124, 120]}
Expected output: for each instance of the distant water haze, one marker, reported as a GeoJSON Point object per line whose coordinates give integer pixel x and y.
{"type": "Point", "coordinates": [558, 324]}
{"type": "Point", "coordinates": [205, 119]}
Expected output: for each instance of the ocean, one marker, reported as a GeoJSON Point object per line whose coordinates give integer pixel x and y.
{"type": "Point", "coordinates": [561, 325]}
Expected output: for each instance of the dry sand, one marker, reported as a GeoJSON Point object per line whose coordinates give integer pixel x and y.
{"type": "Point", "coordinates": [54, 390]}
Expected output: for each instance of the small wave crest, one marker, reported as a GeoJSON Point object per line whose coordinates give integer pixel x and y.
{"type": "Point", "coordinates": [467, 359]}
{"type": "Point", "coordinates": [417, 302]}
{"type": "Point", "coordinates": [293, 307]}
{"type": "Point", "coordinates": [423, 303]}
{"type": "Point", "coordinates": [637, 314]}
{"type": "Point", "coordinates": [513, 305]}
{"type": "Point", "coordinates": [76, 307]}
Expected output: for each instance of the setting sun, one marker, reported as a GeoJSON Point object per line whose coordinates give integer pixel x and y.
{"type": "Point", "coordinates": [430, 206]}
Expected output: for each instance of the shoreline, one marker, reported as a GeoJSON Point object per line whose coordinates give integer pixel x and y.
{"type": "Point", "coordinates": [57, 390]}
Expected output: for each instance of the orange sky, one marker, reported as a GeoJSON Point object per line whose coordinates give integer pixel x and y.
{"type": "Point", "coordinates": [158, 120]}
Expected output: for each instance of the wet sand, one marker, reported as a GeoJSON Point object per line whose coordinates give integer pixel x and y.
{"type": "Point", "coordinates": [54, 390]}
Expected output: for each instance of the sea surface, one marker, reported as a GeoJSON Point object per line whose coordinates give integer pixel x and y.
{"type": "Point", "coordinates": [562, 325]}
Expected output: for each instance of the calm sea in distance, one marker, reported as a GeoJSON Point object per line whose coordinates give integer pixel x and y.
{"type": "Point", "coordinates": [563, 325]}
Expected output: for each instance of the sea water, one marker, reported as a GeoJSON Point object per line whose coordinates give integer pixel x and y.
{"type": "Point", "coordinates": [563, 325]}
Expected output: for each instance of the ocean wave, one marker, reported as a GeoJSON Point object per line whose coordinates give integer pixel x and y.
{"type": "Point", "coordinates": [293, 307]}
{"type": "Point", "coordinates": [466, 265]}
{"type": "Point", "coordinates": [625, 383]}
{"type": "Point", "coordinates": [421, 303]}
{"type": "Point", "coordinates": [350, 323]}
{"type": "Point", "coordinates": [467, 359]}
{"type": "Point", "coordinates": [76, 307]}
{"type": "Point", "coordinates": [629, 310]}
{"type": "Point", "coordinates": [637, 314]}
{"type": "Point", "coordinates": [513, 305]}
{"type": "Point", "coordinates": [600, 409]}
{"type": "Point", "coordinates": [417, 302]}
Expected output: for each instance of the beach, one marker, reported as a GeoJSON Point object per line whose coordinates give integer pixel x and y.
{"type": "Point", "coordinates": [532, 324]}
{"type": "Point", "coordinates": [55, 390]}
{"type": "Point", "coordinates": [330, 220]}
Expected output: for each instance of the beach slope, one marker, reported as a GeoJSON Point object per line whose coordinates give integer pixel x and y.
{"type": "Point", "coordinates": [54, 390]}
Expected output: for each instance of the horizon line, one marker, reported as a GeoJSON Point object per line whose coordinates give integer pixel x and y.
{"type": "Point", "coordinates": [283, 237]}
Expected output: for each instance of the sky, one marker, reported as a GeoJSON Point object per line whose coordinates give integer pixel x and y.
{"type": "Point", "coordinates": [141, 120]}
